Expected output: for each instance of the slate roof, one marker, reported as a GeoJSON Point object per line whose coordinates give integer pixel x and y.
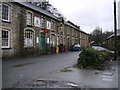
{"type": "Point", "coordinates": [38, 9]}
{"type": "Point", "coordinates": [84, 32]}
{"type": "Point", "coordinates": [72, 25]}
{"type": "Point", "coordinates": [35, 8]}
{"type": "Point", "coordinates": [31, 6]}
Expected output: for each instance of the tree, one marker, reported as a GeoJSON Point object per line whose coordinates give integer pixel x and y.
{"type": "Point", "coordinates": [45, 5]}
{"type": "Point", "coordinates": [97, 31]}
{"type": "Point", "coordinates": [98, 36]}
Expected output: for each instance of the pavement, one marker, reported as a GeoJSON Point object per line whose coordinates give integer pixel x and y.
{"type": "Point", "coordinates": [119, 72]}
{"type": "Point", "coordinates": [57, 71]}
{"type": "Point", "coordinates": [87, 78]}
{"type": "Point", "coordinates": [0, 68]}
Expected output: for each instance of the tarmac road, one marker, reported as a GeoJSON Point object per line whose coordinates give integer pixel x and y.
{"type": "Point", "coordinates": [32, 68]}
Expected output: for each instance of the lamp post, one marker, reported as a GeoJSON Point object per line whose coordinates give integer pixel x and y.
{"type": "Point", "coordinates": [115, 31]}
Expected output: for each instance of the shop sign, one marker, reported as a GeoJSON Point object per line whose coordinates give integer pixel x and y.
{"type": "Point", "coordinates": [46, 31]}
{"type": "Point", "coordinates": [48, 40]}
{"type": "Point", "coordinates": [37, 40]}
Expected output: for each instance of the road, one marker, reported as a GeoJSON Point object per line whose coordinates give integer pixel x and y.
{"type": "Point", "coordinates": [32, 68]}
{"type": "Point", "coordinates": [19, 72]}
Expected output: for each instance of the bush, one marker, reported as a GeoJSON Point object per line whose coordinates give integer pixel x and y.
{"type": "Point", "coordinates": [91, 58]}
{"type": "Point", "coordinates": [105, 55]}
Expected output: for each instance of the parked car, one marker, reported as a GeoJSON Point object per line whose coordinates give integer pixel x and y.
{"type": "Point", "coordinates": [76, 47]}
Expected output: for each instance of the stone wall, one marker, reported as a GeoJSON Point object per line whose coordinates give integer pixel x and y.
{"type": "Point", "coordinates": [84, 39]}
{"type": "Point", "coordinates": [18, 25]}
{"type": "Point", "coordinates": [13, 26]}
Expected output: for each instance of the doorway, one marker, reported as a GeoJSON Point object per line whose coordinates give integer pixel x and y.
{"type": "Point", "coordinates": [42, 42]}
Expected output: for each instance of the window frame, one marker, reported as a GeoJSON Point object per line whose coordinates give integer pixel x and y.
{"type": "Point", "coordinates": [27, 19]}
{"type": "Point", "coordinates": [48, 26]}
{"type": "Point", "coordinates": [27, 45]}
{"type": "Point", "coordinates": [68, 30]}
{"type": "Point", "coordinates": [37, 19]}
{"type": "Point", "coordinates": [9, 7]}
{"type": "Point", "coordinates": [8, 39]}
{"type": "Point", "coordinates": [52, 25]}
{"type": "Point", "coordinates": [42, 22]}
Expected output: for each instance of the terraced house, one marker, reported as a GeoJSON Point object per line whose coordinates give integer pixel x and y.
{"type": "Point", "coordinates": [29, 30]}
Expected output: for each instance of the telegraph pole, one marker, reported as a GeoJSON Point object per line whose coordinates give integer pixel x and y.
{"type": "Point", "coordinates": [115, 32]}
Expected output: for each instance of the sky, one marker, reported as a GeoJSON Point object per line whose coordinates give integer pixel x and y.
{"type": "Point", "coordinates": [88, 14]}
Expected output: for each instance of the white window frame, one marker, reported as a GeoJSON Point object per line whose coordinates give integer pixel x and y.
{"type": "Point", "coordinates": [8, 12]}
{"type": "Point", "coordinates": [52, 25]}
{"type": "Point", "coordinates": [8, 39]}
{"type": "Point", "coordinates": [36, 21]}
{"type": "Point", "coordinates": [29, 20]}
{"type": "Point", "coordinates": [28, 40]}
{"type": "Point", "coordinates": [48, 25]}
{"type": "Point", "coordinates": [42, 22]}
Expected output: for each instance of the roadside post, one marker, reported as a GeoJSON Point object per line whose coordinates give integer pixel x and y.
{"type": "Point", "coordinates": [115, 32]}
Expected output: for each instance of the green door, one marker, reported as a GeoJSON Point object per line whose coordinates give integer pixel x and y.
{"type": "Point", "coordinates": [42, 42]}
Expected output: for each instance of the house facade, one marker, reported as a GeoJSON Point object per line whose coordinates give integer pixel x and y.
{"type": "Point", "coordinates": [29, 30]}
{"type": "Point", "coordinates": [111, 42]}
{"type": "Point", "coordinates": [84, 39]}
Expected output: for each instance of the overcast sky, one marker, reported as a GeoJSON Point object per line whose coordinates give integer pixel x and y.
{"type": "Point", "coordinates": [88, 14]}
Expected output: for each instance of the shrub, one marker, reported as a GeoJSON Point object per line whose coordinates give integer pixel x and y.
{"type": "Point", "coordinates": [105, 55]}
{"type": "Point", "coordinates": [91, 58]}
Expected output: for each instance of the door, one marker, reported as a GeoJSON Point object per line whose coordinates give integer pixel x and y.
{"type": "Point", "coordinates": [42, 42]}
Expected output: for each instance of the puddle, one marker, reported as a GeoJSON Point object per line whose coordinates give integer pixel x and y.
{"type": "Point", "coordinates": [39, 83]}
{"type": "Point", "coordinates": [73, 85]}
{"type": "Point", "coordinates": [107, 76]}
{"type": "Point", "coordinates": [20, 65]}
{"type": "Point", "coordinates": [66, 70]}
{"type": "Point", "coordinates": [52, 83]}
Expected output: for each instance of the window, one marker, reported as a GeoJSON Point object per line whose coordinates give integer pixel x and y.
{"type": "Point", "coordinates": [68, 31]}
{"type": "Point", "coordinates": [61, 30]}
{"type": "Point", "coordinates": [52, 26]}
{"type": "Point", "coordinates": [29, 38]}
{"type": "Point", "coordinates": [29, 18]}
{"type": "Point", "coordinates": [5, 12]}
{"type": "Point", "coordinates": [42, 22]}
{"type": "Point", "coordinates": [5, 38]}
{"type": "Point", "coordinates": [37, 21]}
{"type": "Point", "coordinates": [72, 32]}
{"type": "Point", "coordinates": [48, 25]}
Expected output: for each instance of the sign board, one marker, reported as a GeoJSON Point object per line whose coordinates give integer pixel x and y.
{"type": "Point", "coordinates": [48, 40]}
{"type": "Point", "coordinates": [37, 40]}
{"type": "Point", "coordinates": [57, 41]}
